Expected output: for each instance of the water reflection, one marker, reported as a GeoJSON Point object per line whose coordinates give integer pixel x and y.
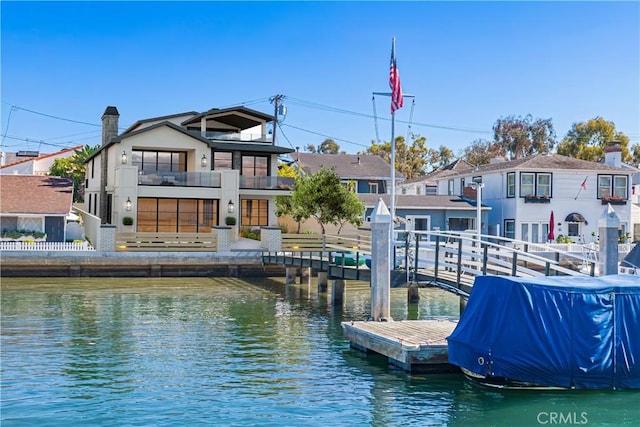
{"type": "Point", "coordinates": [227, 351]}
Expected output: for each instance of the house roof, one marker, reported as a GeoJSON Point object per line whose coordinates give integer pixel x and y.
{"type": "Point", "coordinates": [44, 156]}
{"type": "Point", "coordinates": [458, 165]}
{"type": "Point", "coordinates": [406, 201]}
{"type": "Point", "coordinates": [31, 194]}
{"type": "Point", "coordinates": [545, 162]}
{"type": "Point", "coordinates": [262, 147]}
{"type": "Point", "coordinates": [158, 119]}
{"type": "Point", "coordinates": [347, 166]}
{"type": "Point", "coordinates": [230, 117]}
{"type": "Point", "coordinates": [235, 146]}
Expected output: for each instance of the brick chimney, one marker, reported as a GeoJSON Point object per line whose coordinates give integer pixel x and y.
{"type": "Point", "coordinates": [613, 154]}
{"type": "Point", "coordinates": [469, 192]}
{"type": "Point", "coordinates": [109, 131]}
{"type": "Point", "coordinates": [109, 124]}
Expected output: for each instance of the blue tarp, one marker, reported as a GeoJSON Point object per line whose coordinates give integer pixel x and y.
{"type": "Point", "coordinates": [571, 332]}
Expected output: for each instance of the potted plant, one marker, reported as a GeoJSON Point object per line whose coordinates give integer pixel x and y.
{"type": "Point", "coordinates": [127, 221]}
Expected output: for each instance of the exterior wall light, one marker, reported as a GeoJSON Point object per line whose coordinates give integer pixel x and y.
{"type": "Point", "coordinates": [231, 207]}
{"type": "Point", "coordinates": [127, 204]}
{"type": "Point", "coordinates": [203, 161]}
{"type": "Point", "coordinates": [123, 158]}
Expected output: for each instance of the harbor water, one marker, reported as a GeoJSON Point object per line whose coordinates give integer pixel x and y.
{"type": "Point", "coordinates": [240, 352]}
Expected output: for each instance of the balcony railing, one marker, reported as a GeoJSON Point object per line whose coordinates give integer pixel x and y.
{"type": "Point", "coordinates": [266, 183]}
{"type": "Point", "coordinates": [180, 179]}
{"type": "Point", "coordinates": [237, 136]}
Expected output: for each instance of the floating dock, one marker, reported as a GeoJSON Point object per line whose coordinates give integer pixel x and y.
{"type": "Point", "coordinates": [416, 346]}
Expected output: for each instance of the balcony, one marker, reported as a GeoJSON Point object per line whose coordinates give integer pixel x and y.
{"type": "Point", "coordinates": [180, 179]}
{"type": "Point", "coordinates": [537, 199]}
{"type": "Point", "coordinates": [266, 183]}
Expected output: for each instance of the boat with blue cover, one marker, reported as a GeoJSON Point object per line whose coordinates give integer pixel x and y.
{"type": "Point", "coordinates": [557, 332]}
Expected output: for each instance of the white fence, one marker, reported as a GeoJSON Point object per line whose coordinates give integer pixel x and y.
{"type": "Point", "coordinates": [45, 246]}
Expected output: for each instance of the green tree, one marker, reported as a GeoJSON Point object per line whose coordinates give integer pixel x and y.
{"type": "Point", "coordinates": [74, 167]}
{"type": "Point", "coordinates": [524, 136]}
{"type": "Point", "coordinates": [481, 151]}
{"type": "Point", "coordinates": [322, 196]}
{"type": "Point", "coordinates": [439, 158]}
{"type": "Point", "coordinates": [587, 140]}
{"type": "Point", "coordinates": [635, 155]}
{"type": "Point", "coordinates": [328, 146]}
{"type": "Point", "coordinates": [411, 160]}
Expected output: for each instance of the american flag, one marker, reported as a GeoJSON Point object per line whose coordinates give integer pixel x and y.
{"type": "Point", "coordinates": [397, 100]}
{"type": "Point", "coordinates": [584, 184]}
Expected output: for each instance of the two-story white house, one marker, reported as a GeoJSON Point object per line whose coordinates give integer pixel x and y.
{"type": "Point", "coordinates": [186, 172]}
{"type": "Point", "coordinates": [523, 193]}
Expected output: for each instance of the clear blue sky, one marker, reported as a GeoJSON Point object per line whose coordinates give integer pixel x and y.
{"type": "Point", "coordinates": [467, 63]}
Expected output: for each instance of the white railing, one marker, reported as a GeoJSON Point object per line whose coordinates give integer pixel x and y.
{"type": "Point", "coordinates": [45, 246]}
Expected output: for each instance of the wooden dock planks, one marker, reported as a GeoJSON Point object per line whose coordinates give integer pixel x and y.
{"type": "Point", "coordinates": [413, 345]}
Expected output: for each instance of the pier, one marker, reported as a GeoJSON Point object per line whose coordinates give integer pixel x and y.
{"type": "Point", "coordinates": [415, 346]}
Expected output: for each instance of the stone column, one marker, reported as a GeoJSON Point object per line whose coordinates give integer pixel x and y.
{"type": "Point", "coordinates": [223, 237]}
{"type": "Point", "coordinates": [380, 263]}
{"type": "Point", "coordinates": [608, 224]}
{"type": "Point", "coordinates": [271, 239]}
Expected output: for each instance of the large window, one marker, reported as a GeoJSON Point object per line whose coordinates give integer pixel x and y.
{"type": "Point", "coordinates": [254, 212]}
{"type": "Point", "coordinates": [527, 186]}
{"type": "Point", "coordinates": [255, 166]}
{"type": "Point", "coordinates": [534, 184]}
{"type": "Point", "coordinates": [511, 184]}
{"type": "Point", "coordinates": [159, 161]}
{"type": "Point", "coordinates": [177, 215]}
{"type": "Point", "coordinates": [612, 185]}
{"type": "Point", "coordinates": [222, 160]}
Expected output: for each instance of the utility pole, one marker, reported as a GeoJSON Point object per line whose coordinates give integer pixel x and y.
{"type": "Point", "coordinates": [276, 101]}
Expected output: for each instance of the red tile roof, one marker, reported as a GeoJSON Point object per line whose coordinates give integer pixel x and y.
{"type": "Point", "coordinates": [44, 156]}
{"type": "Point", "coordinates": [31, 194]}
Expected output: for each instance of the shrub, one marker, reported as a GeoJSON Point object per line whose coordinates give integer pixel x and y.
{"type": "Point", "coordinates": [230, 220]}
{"type": "Point", "coordinates": [127, 220]}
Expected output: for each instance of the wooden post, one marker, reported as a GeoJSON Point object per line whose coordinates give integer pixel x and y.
{"type": "Point", "coordinates": [380, 266]}
{"type": "Point", "coordinates": [608, 229]}
{"type": "Point", "coordinates": [322, 282]}
{"type": "Point", "coordinates": [413, 293]}
{"type": "Point", "coordinates": [337, 291]}
{"type": "Point", "coordinates": [292, 273]}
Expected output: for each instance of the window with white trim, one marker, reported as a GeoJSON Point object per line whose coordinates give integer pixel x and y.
{"type": "Point", "coordinates": [511, 184]}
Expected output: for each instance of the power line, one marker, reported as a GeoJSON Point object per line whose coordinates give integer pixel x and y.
{"type": "Point", "coordinates": [364, 115]}
{"type": "Point", "coordinates": [326, 136]}
{"type": "Point", "coordinates": [56, 117]}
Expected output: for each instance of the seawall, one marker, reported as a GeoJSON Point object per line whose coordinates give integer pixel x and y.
{"type": "Point", "coordinates": [135, 264]}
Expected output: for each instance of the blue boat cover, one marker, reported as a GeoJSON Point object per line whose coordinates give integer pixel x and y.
{"type": "Point", "coordinates": [573, 332]}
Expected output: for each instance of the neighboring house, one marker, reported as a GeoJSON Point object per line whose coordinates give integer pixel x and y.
{"type": "Point", "coordinates": [428, 184]}
{"type": "Point", "coordinates": [32, 163]}
{"type": "Point", "coordinates": [36, 203]}
{"type": "Point", "coordinates": [186, 172]}
{"type": "Point", "coordinates": [368, 174]}
{"type": "Point", "coordinates": [524, 192]}
{"type": "Point", "coordinates": [446, 213]}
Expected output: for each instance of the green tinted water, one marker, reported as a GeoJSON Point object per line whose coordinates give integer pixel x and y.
{"type": "Point", "coordinates": [195, 351]}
